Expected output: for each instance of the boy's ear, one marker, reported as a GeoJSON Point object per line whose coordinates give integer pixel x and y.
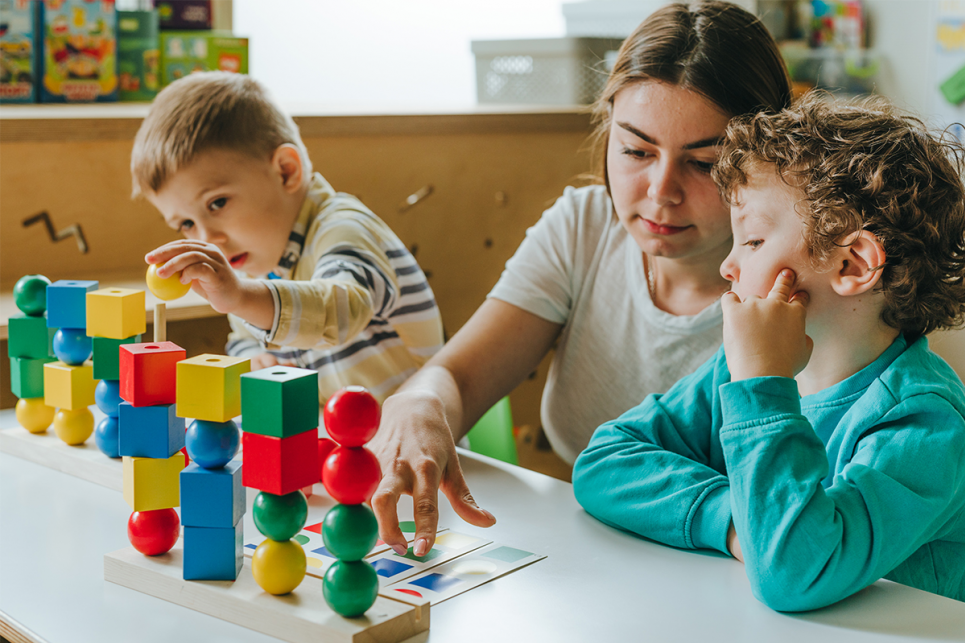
{"type": "Point", "coordinates": [858, 264]}
{"type": "Point", "coordinates": [288, 163]}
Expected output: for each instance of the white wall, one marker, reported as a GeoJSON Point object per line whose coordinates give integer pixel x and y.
{"type": "Point", "coordinates": [380, 53]}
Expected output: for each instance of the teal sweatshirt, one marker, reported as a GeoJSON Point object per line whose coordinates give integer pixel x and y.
{"type": "Point", "coordinates": [828, 493]}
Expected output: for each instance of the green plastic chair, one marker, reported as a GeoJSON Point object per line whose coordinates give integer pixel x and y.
{"type": "Point", "coordinates": [493, 434]}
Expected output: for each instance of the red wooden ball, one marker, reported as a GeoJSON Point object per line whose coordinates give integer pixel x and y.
{"type": "Point", "coordinates": [352, 416]}
{"type": "Point", "coordinates": [153, 532]}
{"type": "Point", "coordinates": [351, 475]}
{"type": "Point", "coordinates": [325, 446]}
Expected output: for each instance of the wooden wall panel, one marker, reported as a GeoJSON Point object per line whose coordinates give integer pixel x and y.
{"type": "Point", "coordinates": [492, 175]}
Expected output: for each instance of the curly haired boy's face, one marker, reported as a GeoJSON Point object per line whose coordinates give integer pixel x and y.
{"type": "Point", "coordinates": [234, 201]}
{"type": "Point", "coordinates": [663, 143]}
{"type": "Point", "coordinates": [768, 237]}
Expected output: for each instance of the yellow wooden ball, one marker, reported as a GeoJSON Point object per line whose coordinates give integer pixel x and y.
{"type": "Point", "coordinates": [278, 567]}
{"type": "Point", "coordinates": [166, 289]}
{"type": "Point", "coordinates": [74, 427]}
{"type": "Point", "coordinates": [34, 415]}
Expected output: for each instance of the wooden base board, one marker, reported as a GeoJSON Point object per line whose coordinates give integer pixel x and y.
{"type": "Point", "coordinates": [83, 461]}
{"type": "Point", "coordinates": [302, 616]}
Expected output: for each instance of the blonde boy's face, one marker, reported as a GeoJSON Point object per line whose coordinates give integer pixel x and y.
{"type": "Point", "coordinates": [234, 201]}
{"type": "Point", "coordinates": [768, 237]}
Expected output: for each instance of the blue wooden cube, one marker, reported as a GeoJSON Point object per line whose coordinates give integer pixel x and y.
{"type": "Point", "coordinates": [212, 497]}
{"type": "Point", "coordinates": [67, 303]}
{"type": "Point", "coordinates": [149, 431]}
{"type": "Point", "coordinates": [213, 553]}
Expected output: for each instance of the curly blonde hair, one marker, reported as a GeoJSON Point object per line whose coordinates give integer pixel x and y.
{"type": "Point", "coordinates": [864, 165]}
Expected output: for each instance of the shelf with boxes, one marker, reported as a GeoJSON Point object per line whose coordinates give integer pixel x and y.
{"type": "Point", "coordinates": [67, 51]}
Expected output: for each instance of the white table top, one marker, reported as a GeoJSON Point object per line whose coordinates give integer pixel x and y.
{"type": "Point", "coordinates": [597, 583]}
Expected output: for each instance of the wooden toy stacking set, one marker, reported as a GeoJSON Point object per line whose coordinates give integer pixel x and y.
{"type": "Point", "coordinates": [351, 475]}
{"type": "Point", "coordinates": [280, 421]}
{"type": "Point", "coordinates": [146, 391]}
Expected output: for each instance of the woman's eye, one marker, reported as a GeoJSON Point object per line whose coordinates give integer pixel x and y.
{"type": "Point", "coordinates": [639, 154]}
{"type": "Point", "coordinates": [186, 225]}
{"type": "Point", "coordinates": [217, 204]}
{"type": "Point", "coordinates": [704, 166]}
{"type": "Point", "coordinates": [754, 243]}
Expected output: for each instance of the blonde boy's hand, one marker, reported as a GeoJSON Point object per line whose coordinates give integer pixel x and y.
{"type": "Point", "coordinates": [766, 337]}
{"type": "Point", "coordinates": [203, 264]}
{"type": "Point", "coordinates": [263, 360]}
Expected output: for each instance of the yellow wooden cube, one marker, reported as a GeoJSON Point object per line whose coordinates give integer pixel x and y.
{"type": "Point", "coordinates": [209, 387]}
{"type": "Point", "coordinates": [69, 387]}
{"type": "Point", "coordinates": [151, 484]}
{"type": "Point", "coordinates": [116, 313]}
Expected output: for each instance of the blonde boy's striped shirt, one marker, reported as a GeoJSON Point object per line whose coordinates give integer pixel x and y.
{"type": "Point", "coordinates": [350, 300]}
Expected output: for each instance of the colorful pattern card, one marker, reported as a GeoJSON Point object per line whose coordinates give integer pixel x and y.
{"type": "Point", "coordinates": [393, 568]}
{"type": "Point", "coordinates": [317, 557]}
{"type": "Point", "coordinates": [465, 572]}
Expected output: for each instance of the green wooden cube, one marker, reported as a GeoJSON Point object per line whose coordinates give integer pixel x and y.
{"type": "Point", "coordinates": [29, 337]}
{"type": "Point", "coordinates": [280, 401]}
{"type": "Point", "coordinates": [27, 376]}
{"type": "Point", "coordinates": [106, 356]}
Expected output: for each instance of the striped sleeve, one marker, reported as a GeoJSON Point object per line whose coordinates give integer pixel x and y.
{"type": "Point", "coordinates": [352, 282]}
{"type": "Point", "coordinates": [241, 342]}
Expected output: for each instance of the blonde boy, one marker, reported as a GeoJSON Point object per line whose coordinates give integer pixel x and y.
{"type": "Point", "coordinates": [309, 276]}
{"type": "Point", "coordinates": [827, 460]}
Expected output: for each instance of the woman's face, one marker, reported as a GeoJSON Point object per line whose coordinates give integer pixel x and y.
{"type": "Point", "coordinates": [663, 143]}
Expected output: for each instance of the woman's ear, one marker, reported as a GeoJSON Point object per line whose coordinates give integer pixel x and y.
{"type": "Point", "coordinates": [288, 164]}
{"type": "Point", "coordinates": [858, 264]}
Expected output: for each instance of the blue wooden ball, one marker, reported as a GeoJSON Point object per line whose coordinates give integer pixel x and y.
{"type": "Point", "coordinates": [212, 444]}
{"type": "Point", "coordinates": [105, 436]}
{"type": "Point", "coordinates": [107, 395]}
{"type": "Point", "coordinates": [72, 346]}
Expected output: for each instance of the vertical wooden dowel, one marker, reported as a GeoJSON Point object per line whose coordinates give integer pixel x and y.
{"type": "Point", "coordinates": [160, 323]}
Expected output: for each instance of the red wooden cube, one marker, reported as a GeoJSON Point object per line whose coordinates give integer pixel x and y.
{"type": "Point", "coordinates": [148, 372]}
{"type": "Point", "coordinates": [279, 465]}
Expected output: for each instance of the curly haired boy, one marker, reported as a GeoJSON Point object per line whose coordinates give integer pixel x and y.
{"type": "Point", "coordinates": [824, 445]}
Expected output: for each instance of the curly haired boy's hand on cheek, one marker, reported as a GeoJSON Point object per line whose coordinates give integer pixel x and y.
{"type": "Point", "coordinates": [766, 337]}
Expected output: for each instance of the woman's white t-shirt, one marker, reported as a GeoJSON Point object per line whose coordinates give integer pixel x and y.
{"type": "Point", "coordinates": [580, 268]}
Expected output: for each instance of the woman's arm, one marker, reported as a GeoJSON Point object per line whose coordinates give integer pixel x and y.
{"type": "Point", "coordinates": [489, 356]}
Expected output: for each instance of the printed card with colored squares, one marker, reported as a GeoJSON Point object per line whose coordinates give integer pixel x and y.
{"type": "Point", "coordinates": [461, 574]}
{"type": "Point", "coordinates": [318, 558]}
{"type": "Point", "coordinates": [449, 545]}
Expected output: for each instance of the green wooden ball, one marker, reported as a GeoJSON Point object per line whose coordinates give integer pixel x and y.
{"type": "Point", "coordinates": [30, 294]}
{"type": "Point", "coordinates": [280, 517]}
{"type": "Point", "coordinates": [350, 531]}
{"type": "Point", "coordinates": [350, 588]}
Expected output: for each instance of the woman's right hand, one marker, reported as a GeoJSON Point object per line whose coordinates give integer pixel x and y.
{"type": "Point", "coordinates": [418, 456]}
{"type": "Point", "coordinates": [415, 445]}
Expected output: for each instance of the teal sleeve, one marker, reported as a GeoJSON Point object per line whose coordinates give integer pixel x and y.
{"type": "Point", "coordinates": [806, 543]}
{"type": "Point", "coordinates": [657, 470]}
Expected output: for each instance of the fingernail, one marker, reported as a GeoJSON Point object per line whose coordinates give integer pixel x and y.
{"type": "Point", "coordinates": [421, 547]}
{"type": "Point", "coordinates": [488, 515]}
{"type": "Point", "coordinates": [787, 273]}
{"type": "Point", "coordinates": [401, 550]}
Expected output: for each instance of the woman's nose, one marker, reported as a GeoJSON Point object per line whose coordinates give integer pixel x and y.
{"type": "Point", "coordinates": [664, 184]}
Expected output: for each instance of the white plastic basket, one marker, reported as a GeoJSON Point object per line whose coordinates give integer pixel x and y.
{"type": "Point", "coordinates": [545, 71]}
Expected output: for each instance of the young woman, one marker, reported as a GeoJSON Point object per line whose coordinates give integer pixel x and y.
{"type": "Point", "coordinates": [623, 277]}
